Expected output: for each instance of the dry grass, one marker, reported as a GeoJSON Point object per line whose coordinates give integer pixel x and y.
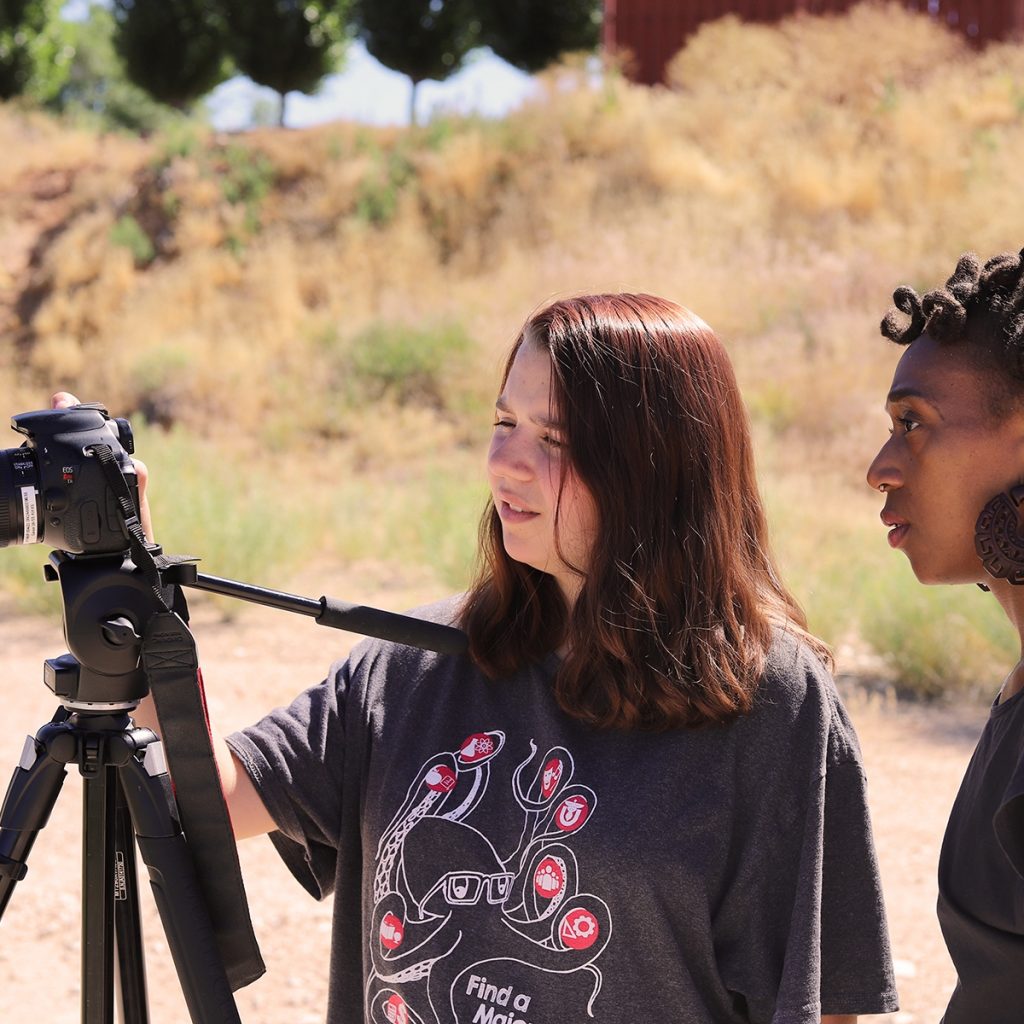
{"type": "Point", "coordinates": [788, 179]}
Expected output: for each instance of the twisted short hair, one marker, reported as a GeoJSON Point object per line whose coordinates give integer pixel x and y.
{"type": "Point", "coordinates": [980, 306]}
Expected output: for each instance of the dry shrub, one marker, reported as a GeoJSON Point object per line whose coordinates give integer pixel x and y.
{"type": "Point", "coordinates": [855, 59]}
{"type": "Point", "coordinates": [35, 146]}
{"type": "Point", "coordinates": [874, 115]}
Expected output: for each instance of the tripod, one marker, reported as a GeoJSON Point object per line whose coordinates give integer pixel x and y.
{"type": "Point", "coordinates": [125, 643]}
{"type": "Point", "coordinates": [124, 778]}
{"type": "Point", "coordinates": [107, 606]}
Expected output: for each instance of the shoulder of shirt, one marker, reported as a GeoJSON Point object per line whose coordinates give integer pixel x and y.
{"type": "Point", "coordinates": [793, 671]}
{"type": "Point", "coordinates": [796, 682]}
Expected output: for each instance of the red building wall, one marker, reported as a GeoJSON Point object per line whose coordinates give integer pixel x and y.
{"type": "Point", "coordinates": [653, 31]}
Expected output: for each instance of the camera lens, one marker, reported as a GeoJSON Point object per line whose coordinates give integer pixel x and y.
{"type": "Point", "coordinates": [21, 504]}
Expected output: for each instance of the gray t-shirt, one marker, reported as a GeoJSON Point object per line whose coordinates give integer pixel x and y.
{"type": "Point", "coordinates": [495, 861]}
{"type": "Point", "coordinates": [981, 876]}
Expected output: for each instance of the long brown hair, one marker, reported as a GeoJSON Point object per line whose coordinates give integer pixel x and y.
{"type": "Point", "coordinates": [673, 621]}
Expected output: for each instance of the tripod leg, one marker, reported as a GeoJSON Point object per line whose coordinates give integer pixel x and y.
{"type": "Point", "coordinates": [184, 913]}
{"type": "Point", "coordinates": [31, 795]}
{"type": "Point", "coordinates": [97, 890]}
{"type": "Point", "coordinates": [131, 966]}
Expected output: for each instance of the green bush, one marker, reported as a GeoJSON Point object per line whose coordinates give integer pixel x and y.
{"type": "Point", "coordinates": [938, 641]}
{"type": "Point", "coordinates": [128, 233]}
{"type": "Point", "coordinates": [408, 365]}
{"type": "Point", "coordinates": [378, 192]}
{"type": "Point", "coordinates": [245, 175]}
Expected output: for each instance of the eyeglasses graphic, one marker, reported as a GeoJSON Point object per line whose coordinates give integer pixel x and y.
{"type": "Point", "coordinates": [464, 888]}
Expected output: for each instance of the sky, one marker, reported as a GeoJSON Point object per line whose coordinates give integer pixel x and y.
{"type": "Point", "coordinates": [367, 91]}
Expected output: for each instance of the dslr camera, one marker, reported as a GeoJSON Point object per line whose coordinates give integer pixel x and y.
{"type": "Point", "coordinates": [53, 489]}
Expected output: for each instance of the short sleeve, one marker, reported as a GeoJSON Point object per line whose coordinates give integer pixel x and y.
{"type": "Point", "coordinates": [802, 932]}
{"type": "Point", "coordinates": [856, 962]}
{"type": "Point", "coordinates": [816, 934]}
{"type": "Point", "coordinates": [296, 759]}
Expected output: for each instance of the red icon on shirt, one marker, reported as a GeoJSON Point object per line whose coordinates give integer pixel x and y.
{"type": "Point", "coordinates": [396, 1011]}
{"type": "Point", "coordinates": [392, 931]}
{"type": "Point", "coordinates": [552, 776]}
{"type": "Point", "coordinates": [440, 779]}
{"type": "Point", "coordinates": [476, 748]}
{"type": "Point", "coordinates": [571, 813]}
{"type": "Point", "coordinates": [579, 929]}
{"type": "Point", "coordinates": [549, 878]}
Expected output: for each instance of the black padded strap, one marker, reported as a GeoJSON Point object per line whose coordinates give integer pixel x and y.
{"type": "Point", "coordinates": [172, 669]}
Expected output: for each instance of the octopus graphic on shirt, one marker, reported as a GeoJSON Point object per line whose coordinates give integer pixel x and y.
{"type": "Point", "coordinates": [454, 919]}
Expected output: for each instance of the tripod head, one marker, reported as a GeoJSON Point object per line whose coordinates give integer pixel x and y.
{"type": "Point", "coordinates": [106, 605]}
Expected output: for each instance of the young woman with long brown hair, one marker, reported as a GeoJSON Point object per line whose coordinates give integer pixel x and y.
{"type": "Point", "coordinates": [951, 474]}
{"type": "Point", "coordinates": [639, 797]}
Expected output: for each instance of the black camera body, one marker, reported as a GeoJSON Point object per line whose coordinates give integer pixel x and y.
{"type": "Point", "coordinates": [53, 489]}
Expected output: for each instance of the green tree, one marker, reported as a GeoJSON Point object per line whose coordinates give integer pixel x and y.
{"type": "Point", "coordinates": [419, 38]}
{"type": "Point", "coordinates": [24, 43]}
{"type": "Point", "coordinates": [12, 12]}
{"type": "Point", "coordinates": [174, 49]}
{"type": "Point", "coordinates": [531, 34]}
{"type": "Point", "coordinates": [288, 45]}
{"type": "Point", "coordinates": [95, 89]}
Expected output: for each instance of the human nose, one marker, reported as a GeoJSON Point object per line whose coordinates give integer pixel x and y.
{"type": "Point", "coordinates": [884, 473]}
{"type": "Point", "coordinates": [508, 455]}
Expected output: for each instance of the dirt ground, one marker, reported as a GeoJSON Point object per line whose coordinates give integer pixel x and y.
{"type": "Point", "coordinates": [915, 757]}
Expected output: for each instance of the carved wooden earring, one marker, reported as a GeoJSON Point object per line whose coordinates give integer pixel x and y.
{"type": "Point", "coordinates": [998, 540]}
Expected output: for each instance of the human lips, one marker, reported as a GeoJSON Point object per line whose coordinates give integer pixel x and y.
{"type": "Point", "coordinates": [899, 527]}
{"type": "Point", "coordinates": [512, 509]}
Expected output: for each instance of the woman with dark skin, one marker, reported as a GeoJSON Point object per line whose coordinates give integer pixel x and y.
{"type": "Point", "coordinates": [639, 797]}
{"type": "Point", "coordinates": [951, 473]}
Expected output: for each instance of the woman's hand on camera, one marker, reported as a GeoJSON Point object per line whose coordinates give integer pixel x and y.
{"type": "Point", "coordinates": [63, 400]}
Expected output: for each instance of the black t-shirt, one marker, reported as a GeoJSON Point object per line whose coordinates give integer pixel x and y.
{"type": "Point", "coordinates": [981, 876]}
{"type": "Point", "coordinates": [495, 861]}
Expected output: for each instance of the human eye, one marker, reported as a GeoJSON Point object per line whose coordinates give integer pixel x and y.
{"type": "Point", "coordinates": [903, 422]}
{"type": "Point", "coordinates": [551, 441]}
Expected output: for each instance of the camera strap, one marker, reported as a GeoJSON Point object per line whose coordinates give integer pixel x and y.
{"type": "Point", "coordinates": [172, 669]}
{"type": "Point", "coordinates": [171, 664]}
{"type": "Point", "coordinates": [141, 555]}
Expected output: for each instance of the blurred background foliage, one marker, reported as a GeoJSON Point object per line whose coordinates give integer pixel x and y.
{"type": "Point", "coordinates": [177, 51]}
{"type": "Point", "coordinates": [307, 327]}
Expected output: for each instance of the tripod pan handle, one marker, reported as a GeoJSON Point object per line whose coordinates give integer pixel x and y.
{"type": "Point", "coordinates": [402, 629]}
